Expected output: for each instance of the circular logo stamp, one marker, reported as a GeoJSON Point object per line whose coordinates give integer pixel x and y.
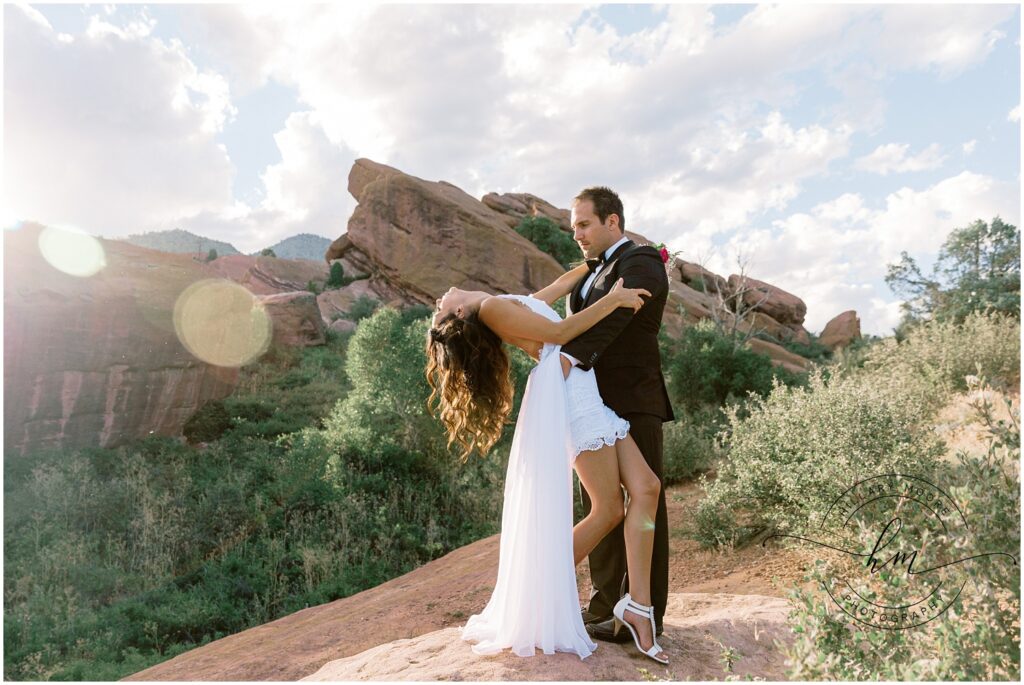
{"type": "Point", "coordinates": [899, 535]}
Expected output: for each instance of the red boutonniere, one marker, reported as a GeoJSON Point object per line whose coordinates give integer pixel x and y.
{"type": "Point", "coordinates": [668, 258]}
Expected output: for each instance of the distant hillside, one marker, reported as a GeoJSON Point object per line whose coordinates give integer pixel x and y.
{"type": "Point", "coordinates": [301, 246]}
{"type": "Point", "coordinates": [178, 240]}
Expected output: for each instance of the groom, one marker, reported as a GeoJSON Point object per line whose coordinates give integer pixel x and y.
{"type": "Point", "coordinates": [623, 351]}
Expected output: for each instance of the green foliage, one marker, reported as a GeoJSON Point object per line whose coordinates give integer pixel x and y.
{"type": "Point", "coordinates": [116, 560]}
{"type": "Point", "coordinates": [211, 255]}
{"type": "Point", "coordinates": [313, 287]}
{"type": "Point", "coordinates": [978, 637]}
{"type": "Point", "coordinates": [336, 279]}
{"type": "Point", "coordinates": [936, 357]}
{"type": "Point", "coordinates": [799, 448]}
{"type": "Point", "coordinates": [978, 269]}
{"type": "Point", "coordinates": [814, 351]}
{"type": "Point", "coordinates": [294, 390]}
{"type": "Point", "coordinates": [388, 400]}
{"type": "Point", "coordinates": [546, 235]}
{"type": "Point", "coordinates": [689, 445]}
{"type": "Point", "coordinates": [267, 252]}
{"type": "Point", "coordinates": [361, 308]}
{"type": "Point", "coordinates": [208, 423]}
{"type": "Point", "coordinates": [704, 368]}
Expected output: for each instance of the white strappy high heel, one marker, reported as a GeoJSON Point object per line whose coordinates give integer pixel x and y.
{"type": "Point", "coordinates": [619, 610]}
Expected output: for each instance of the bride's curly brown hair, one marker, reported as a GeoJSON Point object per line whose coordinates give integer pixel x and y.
{"type": "Point", "coordinates": [468, 373]}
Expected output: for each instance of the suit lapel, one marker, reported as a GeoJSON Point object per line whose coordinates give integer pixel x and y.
{"type": "Point", "coordinates": [608, 266]}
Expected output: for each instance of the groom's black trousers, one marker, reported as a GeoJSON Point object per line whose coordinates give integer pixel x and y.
{"type": "Point", "coordinates": [608, 560]}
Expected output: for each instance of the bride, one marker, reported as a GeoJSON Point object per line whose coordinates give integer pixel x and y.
{"type": "Point", "coordinates": [562, 424]}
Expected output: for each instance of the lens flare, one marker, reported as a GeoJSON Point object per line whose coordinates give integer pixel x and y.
{"type": "Point", "coordinates": [220, 322]}
{"type": "Point", "coordinates": [72, 251]}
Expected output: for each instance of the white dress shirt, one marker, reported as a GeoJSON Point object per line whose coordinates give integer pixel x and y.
{"type": "Point", "coordinates": [590, 281]}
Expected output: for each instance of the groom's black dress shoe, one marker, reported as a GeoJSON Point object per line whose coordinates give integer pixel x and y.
{"type": "Point", "coordinates": [604, 630]}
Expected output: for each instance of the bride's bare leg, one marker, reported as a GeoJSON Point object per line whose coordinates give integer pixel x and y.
{"type": "Point", "coordinates": [599, 473]}
{"type": "Point", "coordinates": [643, 488]}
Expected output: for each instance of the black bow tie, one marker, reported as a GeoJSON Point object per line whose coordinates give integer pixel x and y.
{"type": "Point", "coordinates": [592, 264]}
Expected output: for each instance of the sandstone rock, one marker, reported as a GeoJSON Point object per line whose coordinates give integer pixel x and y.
{"type": "Point", "coordinates": [759, 321]}
{"type": "Point", "coordinates": [424, 237]}
{"type": "Point", "coordinates": [800, 334]}
{"type": "Point", "coordinates": [517, 205]}
{"type": "Point", "coordinates": [95, 361]}
{"type": "Point", "coordinates": [842, 330]}
{"type": "Point", "coordinates": [296, 318]}
{"type": "Point", "coordinates": [782, 306]}
{"type": "Point", "coordinates": [333, 303]}
{"type": "Point", "coordinates": [695, 306]}
{"type": "Point", "coordinates": [343, 325]}
{"type": "Point", "coordinates": [407, 630]}
{"type": "Point", "coordinates": [780, 356]}
{"type": "Point", "coordinates": [268, 275]}
{"type": "Point", "coordinates": [747, 623]}
{"type": "Point", "coordinates": [699, 278]}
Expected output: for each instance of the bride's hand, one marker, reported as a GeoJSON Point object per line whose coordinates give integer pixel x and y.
{"type": "Point", "coordinates": [628, 297]}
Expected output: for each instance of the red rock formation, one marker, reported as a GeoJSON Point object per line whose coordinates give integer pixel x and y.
{"type": "Point", "coordinates": [95, 360]}
{"type": "Point", "coordinates": [422, 237]}
{"type": "Point", "coordinates": [269, 275]}
{"type": "Point", "coordinates": [296, 318]}
{"type": "Point", "coordinates": [782, 306]}
{"type": "Point", "coordinates": [517, 205]}
{"type": "Point", "coordinates": [842, 330]}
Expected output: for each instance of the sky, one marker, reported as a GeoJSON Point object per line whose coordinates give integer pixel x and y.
{"type": "Point", "coordinates": [812, 143]}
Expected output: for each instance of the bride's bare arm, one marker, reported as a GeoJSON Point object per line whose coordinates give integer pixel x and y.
{"type": "Point", "coordinates": [511, 320]}
{"type": "Point", "coordinates": [562, 285]}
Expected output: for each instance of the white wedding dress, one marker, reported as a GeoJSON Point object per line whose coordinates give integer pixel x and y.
{"type": "Point", "coordinates": [535, 602]}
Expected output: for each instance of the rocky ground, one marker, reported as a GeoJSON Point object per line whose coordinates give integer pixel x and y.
{"type": "Point", "coordinates": [407, 628]}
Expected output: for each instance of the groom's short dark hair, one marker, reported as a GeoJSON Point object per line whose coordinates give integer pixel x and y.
{"type": "Point", "coordinates": [606, 202]}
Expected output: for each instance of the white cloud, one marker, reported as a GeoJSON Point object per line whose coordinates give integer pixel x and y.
{"type": "Point", "coordinates": [1014, 114]}
{"type": "Point", "coordinates": [946, 38]}
{"type": "Point", "coordinates": [969, 147]}
{"type": "Point", "coordinates": [112, 131]}
{"type": "Point", "coordinates": [892, 157]}
{"type": "Point", "coordinates": [701, 133]}
{"type": "Point", "coordinates": [834, 257]}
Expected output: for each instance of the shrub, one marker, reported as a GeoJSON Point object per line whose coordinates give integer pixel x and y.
{"type": "Point", "coordinates": [936, 357]}
{"type": "Point", "coordinates": [978, 637]}
{"type": "Point", "coordinates": [208, 423]}
{"type": "Point", "coordinates": [799, 448]}
{"type": "Point", "coordinates": [705, 368]}
{"type": "Point", "coordinates": [363, 307]}
{"type": "Point", "coordinates": [688, 449]}
{"type": "Point", "coordinates": [336, 279]}
{"type": "Point", "coordinates": [546, 235]}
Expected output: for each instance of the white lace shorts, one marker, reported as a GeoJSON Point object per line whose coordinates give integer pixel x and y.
{"type": "Point", "coordinates": [591, 422]}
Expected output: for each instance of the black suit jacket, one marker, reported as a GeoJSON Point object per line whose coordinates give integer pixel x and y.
{"type": "Point", "coordinates": [623, 348]}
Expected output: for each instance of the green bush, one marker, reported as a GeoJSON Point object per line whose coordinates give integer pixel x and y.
{"type": "Point", "coordinates": [799, 448]}
{"type": "Point", "coordinates": [336, 279]}
{"type": "Point", "coordinates": [688, 448]}
{"type": "Point", "coordinates": [363, 307]}
{"type": "Point", "coordinates": [978, 637]}
{"type": "Point", "coordinates": [937, 357]}
{"type": "Point", "coordinates": [705, 368]}
{"type": "Point", "coordinates": [814, 351]}
{"type": "Point", "coordinates": [546, 235]}
{"type": "Point", "coordinates": [209, 422]}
